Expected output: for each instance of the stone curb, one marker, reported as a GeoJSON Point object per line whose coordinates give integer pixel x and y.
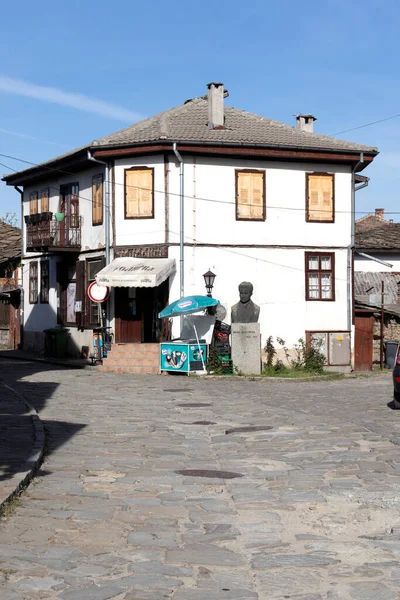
{"type": "Point", "coordinates": [21, 479]}
{"type": "Point", "coordinates": [49, 361]}
{"type": "Point", "coordinates": [291, 379]}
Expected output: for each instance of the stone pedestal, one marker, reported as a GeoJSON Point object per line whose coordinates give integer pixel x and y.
{"type": "Point", "coordinates": [246, 348]}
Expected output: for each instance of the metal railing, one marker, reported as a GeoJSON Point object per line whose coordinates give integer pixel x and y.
{"type": "Point", "coordinates": [53, 233]}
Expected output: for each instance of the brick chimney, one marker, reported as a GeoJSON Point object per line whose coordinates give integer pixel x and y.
{"type": "Point", "coordinates": [305, 122]}
{"type": "Point", "coordinates": [380, 214]}
{"type": "Point", "coordinates": [216, 95]}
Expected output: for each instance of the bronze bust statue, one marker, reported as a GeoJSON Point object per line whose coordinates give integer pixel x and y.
{"type": "Point", "coordinates": [245, 311]}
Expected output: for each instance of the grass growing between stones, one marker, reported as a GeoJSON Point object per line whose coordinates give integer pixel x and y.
{"type": "Point", "coordinates": [8, 508]}
{"type": "Point", "coordinates": [292, 373]}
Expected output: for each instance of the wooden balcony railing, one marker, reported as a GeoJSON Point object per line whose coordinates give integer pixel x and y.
{"type": "Point", "coordinates": [54, 234]}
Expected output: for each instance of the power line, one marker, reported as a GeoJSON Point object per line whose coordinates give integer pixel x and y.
{"type": "Point", "coordinates": [155, 191]}
{"type": "Point", "coordinates": [213, 200]}
{"type": "Point", "coordinates": [367, 125]}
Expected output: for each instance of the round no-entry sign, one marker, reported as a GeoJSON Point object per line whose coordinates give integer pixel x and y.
{"type": "Point", "coordinates": [98, 293]}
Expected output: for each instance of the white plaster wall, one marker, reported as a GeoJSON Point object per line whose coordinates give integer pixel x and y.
{"type": "Point", "coordinates": [37, 317]}
{"type": "Point", "coordinates": [279, 288]}
{"type": "Point", "coordinates": [363, 265]}
{"type": "Point", "coordinates": [210, 204]}
{"type": "Point", "coordinates": [140, 231]}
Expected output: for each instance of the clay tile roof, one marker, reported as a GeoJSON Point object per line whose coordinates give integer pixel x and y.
{"type": "Point", "coordinates": [385, 236]}
{"type": "Point", "coordinates": [10, 242]}
{"type": "Point", "coordinates": [189, 123]}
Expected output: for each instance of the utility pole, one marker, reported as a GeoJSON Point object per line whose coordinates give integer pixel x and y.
{"type": "Point", "coordinates": [382, 323]}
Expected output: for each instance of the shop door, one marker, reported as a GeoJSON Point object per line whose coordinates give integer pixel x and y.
{"type": "Point", "coordinates": [136, 314]}
{"type": "Point", "coordinates": [363, 342]}
{"type": "Point", "coordinates": [128, 317]}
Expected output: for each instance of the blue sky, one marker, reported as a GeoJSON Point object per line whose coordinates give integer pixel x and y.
{"type": "Point", "coordinates": [111, 63]}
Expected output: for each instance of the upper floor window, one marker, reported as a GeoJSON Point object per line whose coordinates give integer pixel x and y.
{"type": "Point", "coordinates": [320, 198]}
{"type": "Point", "coordinates": [97, 200]}
{"type": "Point", "coordinates": [250, 195]}
{"type": "Point", "coordinates": [139, 193]}
{"type": "Point", "coordinates": [33, 282]}
{"type": "Point", "coordinates": [69, 204]}
{"type": "Point", "coordinates": [320, 275]}
{"type": "Point", "coordinates": [33, 203]}
{"type": "Point", "coordinates": [44, 200]}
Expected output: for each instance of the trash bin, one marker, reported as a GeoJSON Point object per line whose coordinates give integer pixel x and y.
{"type": "Point", "coordinates": [56, 342]}
{"type": "Point", "coordinates": [391, 353]}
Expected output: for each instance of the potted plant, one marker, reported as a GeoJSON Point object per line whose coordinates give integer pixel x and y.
{"type": "Point", "coordinates": [46, 216]}
{"type": "Point", "coordinates": [27, 219]}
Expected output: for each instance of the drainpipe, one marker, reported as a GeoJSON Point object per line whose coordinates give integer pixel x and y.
{"type": "Point", "coordinates": [182, 222]}
{"type": "Point", "coordinates": [107, 218]}
{"type": "Point", "coordinates": [350, 249]}
{"type": "Point", "coordinates": [378, 260]}
{"type": "Point", "coordinates": [21, 308]}
{"type": "Point", "coordinates": [106, 203]}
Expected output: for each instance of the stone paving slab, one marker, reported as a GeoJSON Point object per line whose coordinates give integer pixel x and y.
{"type": "Point", "coordinates": [21, 442]}
{"type": "Point", "coordinates": [110, 515]}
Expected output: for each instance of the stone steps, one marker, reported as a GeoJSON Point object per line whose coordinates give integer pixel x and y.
{"type": "Point", "coordinates": [132, 358]}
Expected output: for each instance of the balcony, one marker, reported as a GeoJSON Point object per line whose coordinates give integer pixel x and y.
{"type": "Point", "coordinates": [46, 232]}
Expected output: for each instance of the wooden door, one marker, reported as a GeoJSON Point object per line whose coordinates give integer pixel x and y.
{"type": "Point", "coordinates": [63, 209]}
{"type": "Point", "coordinates": [363, 342]}
{"type": "Point", "coordinates": [128, 318]}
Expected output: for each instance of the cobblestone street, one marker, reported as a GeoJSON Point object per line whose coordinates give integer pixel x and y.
{"type": "Point", "coordinates": [170, 487]}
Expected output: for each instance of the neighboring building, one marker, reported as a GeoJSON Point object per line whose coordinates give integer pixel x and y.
{"type": "Point", "coordinates": [376, 262]}
{"type": "Point", "coordinates": [10, 280]}
{"type": "Point", "coordinates": [263, 202]}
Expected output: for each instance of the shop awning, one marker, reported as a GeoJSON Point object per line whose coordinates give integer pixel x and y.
{"type": "Point", "coordinates": [136, 272]}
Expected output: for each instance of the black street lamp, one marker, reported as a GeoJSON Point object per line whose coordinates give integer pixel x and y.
{"type": "Point", "coordinates": [209, 279]}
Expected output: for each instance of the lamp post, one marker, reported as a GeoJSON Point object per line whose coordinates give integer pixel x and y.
{"type": "Point", "coordinates": [209, 279]}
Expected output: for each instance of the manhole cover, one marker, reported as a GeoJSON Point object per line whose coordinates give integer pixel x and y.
{"type": "Point", "coordinates": [206, 473]}
{"type": "Point", "coordinates": [194, 404]}
{"type": "Point", "coordinates": [249, 428]}
{"type": "Point", "coordinates": [179, 390]}
{"type": "Point", "coordinates": [203, 423]}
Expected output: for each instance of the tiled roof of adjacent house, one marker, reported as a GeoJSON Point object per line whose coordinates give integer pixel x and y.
{"type": "Point", "coordinates": [188, 123]}
{"type": "Point", "coordinates": [368, 290]}
{"type": "Point", "coordinates": [10, 242]}
{"type": "Point", "coordinates": [385, 236]}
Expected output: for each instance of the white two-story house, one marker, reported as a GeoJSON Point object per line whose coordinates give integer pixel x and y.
{"type": "Point", "coordinates": [201, 186]}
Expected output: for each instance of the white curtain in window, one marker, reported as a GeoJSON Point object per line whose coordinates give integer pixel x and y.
{"type": "Point", "coordinates": [326, 263]}
{"type": "Point", "coordinates": [313, 285]}
{"type": "Point", "coordinates": [326, 286]}
{"type": "Point", "coordinates": [313, 263]}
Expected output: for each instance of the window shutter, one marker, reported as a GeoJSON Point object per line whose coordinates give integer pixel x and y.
{"type": "Point", "coordinates": [139, 193]}
{"type": "Point", "coordinates": [33, 203]}
{"type": "Point", "coordinates": [320, 198]}
{"type": "Point", "coordinates": [81, 292]}
{"type": "Point", "coordinates": [97, 199]}
{"type": "Point", "coordinates": [250, 195]}
{"type": "Point", "coordinates": [257, 195]}
{"type": "Point", "coordinates": [146, 193]}
{"type": "Point", "coordinates": [44, 200]}
{"type": "Point", "coordinates": [243, 196]}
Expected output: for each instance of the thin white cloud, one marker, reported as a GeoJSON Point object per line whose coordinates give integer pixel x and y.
{"type": "Point", "coordinates": [30, 137]}
{"type": "Point", "coordinates": [57, 96]}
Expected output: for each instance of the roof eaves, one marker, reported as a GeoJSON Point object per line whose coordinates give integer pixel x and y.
{"type": "Point", "coordinates": [48, 166]}
{"type": "Point", "coordinates": [216, 143]}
